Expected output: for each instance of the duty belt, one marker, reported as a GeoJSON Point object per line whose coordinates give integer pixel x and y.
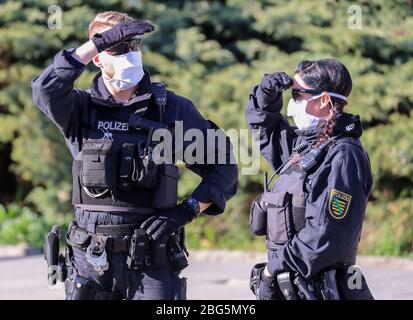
{"type": "Point", "coordinates": [117, 236]}
{"type": "Point", "coordinates": [127, 238]}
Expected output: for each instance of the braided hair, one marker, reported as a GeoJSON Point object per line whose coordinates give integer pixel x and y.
{"type": "Point", "coordinates": [327, 75]}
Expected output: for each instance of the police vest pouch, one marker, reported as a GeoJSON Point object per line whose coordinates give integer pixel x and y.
{"type": "Point", "coordinates": [298, 210]}
{"type": "Point", "coordinates": [279, 220]}
{"type": "Point", "coordinates": [145, 173]}
{"type": "Point", "coordinates": [176, 254]}
{"type": "Point", "coordinates": [99, 165]}
{"type": "Point", "coordinates": [166, 193]}
{"type": "Point", "coordinates": [136, 171]}
{"type": "Point", "coordinates": [258, 217]}
{"type": "Point", "coordinates": [126, 166]}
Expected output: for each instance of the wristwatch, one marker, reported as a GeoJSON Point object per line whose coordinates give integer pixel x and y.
{"type": "Point", "coordinates": [193, 204]}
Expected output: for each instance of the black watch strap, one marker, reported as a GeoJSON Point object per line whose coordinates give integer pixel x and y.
{"type": "Point", "coordinates": [193, 204]}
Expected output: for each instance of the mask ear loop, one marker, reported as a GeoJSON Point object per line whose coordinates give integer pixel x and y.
{"type": "Point", "coordinates": [332, 110]}
{"type": "Point", "coordinates": [329, 100]}
{"type": "Point", "coordinates": [331, 103]}
{"type": "Point", "coordinates": [336, 95]}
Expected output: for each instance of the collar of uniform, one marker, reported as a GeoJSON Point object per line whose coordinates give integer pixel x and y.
{"type": "Point", "coordinates": [348, 124]}
{"type": "Point", "coordinates": [309, 136]}
{"type": "Point", "coordinates": [101, 95]}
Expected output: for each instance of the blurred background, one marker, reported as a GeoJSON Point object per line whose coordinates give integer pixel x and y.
{"type": "Point", "coordinates": [213, 52]}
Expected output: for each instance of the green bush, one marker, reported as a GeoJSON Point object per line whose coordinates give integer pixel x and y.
{"type": "Point", "coordinates": [389, 229]}
{"type": "Point", "coordinates": [21, 225]}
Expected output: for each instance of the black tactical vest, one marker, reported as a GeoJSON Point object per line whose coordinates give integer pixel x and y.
{"type": "Point", "coordinates": [114, 170]}
{"type": "Point", "coordinates": [285, 205]}
{"type": "Point", "coordinates": [280, 213]}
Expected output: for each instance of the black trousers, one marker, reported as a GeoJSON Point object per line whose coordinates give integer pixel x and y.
{"type": "Point", "coordinates": [153, 283]}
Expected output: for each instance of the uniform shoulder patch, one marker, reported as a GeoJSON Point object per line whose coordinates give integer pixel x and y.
{"type": "Point", "coordinates": [338, 204]}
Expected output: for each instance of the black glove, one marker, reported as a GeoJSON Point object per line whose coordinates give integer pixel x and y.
{"type": "Point", "coordinates": [255, 277]}
{"type": "Point", "coordinates": [264, 288]}
{"type": "Point", "coordinates": [271, 86]}
{"type": "Point", "coordinates": [123, 31]}
{"type": "Point", "coordinates": [162, 226]}
{"type": "Point", "coordinates": [268, 289]}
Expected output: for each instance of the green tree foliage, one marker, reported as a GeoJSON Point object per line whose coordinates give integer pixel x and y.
{"type": "Point", "coordinates": [214, 52]}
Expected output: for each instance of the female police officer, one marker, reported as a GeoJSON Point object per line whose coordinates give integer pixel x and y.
{"type": "Point", "coordinates": [315, 210]}
{"type": "Point", "coordinates": [126, 241]}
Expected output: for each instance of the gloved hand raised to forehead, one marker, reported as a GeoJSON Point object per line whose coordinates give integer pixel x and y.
{"type": "Point", "coordinates": [275, 82]}
{"type": "Point", "coordinates": [271, 86]}
{"type": "Point", "coordinates": [123, 31]}
{"type": "Point", "coordinates": [163, 225]}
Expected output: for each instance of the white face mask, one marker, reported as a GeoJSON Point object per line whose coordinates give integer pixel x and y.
{"type": "Point", "coordinates": [302, 119]}
{"type": "Point", "coordinates": [128, 69]}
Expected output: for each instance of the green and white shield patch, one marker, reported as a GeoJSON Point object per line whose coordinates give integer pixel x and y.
{"type": "Point", "coordinates": [339, 204]}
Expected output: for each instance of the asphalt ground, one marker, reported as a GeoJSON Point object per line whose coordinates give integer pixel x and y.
{"type": "Point", "coordinates": [213, 275]}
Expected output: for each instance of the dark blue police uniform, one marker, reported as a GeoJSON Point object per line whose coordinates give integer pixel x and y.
{"type": "Point", "coordinates": [93, 119]}
{"type": "Point", "coordinates": [314, 218]}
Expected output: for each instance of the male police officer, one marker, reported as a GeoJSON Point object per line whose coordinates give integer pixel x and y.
{"type": "Point", "coordinates": [127, 239]}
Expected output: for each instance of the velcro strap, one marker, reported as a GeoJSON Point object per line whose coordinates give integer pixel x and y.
{"type": "Point", "coordinates": [114, 245]}
{"type": "Point", "coordinates": [118, 230]}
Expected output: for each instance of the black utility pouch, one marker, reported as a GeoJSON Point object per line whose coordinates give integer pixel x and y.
{"type": "Point", "coordinates": [258, 217]}
{"type": "Point", "coordinates": [166, 192]}
{"type": "Point", "coordinates": [138, 244]}
{"type": "Point", "coordinates": [126, 167]}
{"type": "Point", "coordinates": [176, 253]}
{"type": "Point", "coordinates": [157, 253]}
{"type": "Point", "coordinates": [99, 164]}
{"type": "Point", "coordinates": [77, 237]}
{"type": "Point", "coordinates": [146, 172]}
{"type": "Point", "coordinates": [279, 217]}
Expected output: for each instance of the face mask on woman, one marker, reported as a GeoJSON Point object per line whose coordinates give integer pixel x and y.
{"type": "Point", "coordinates": [128, 69]}
{"type": "Point", "coordinates": [302, 119]}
